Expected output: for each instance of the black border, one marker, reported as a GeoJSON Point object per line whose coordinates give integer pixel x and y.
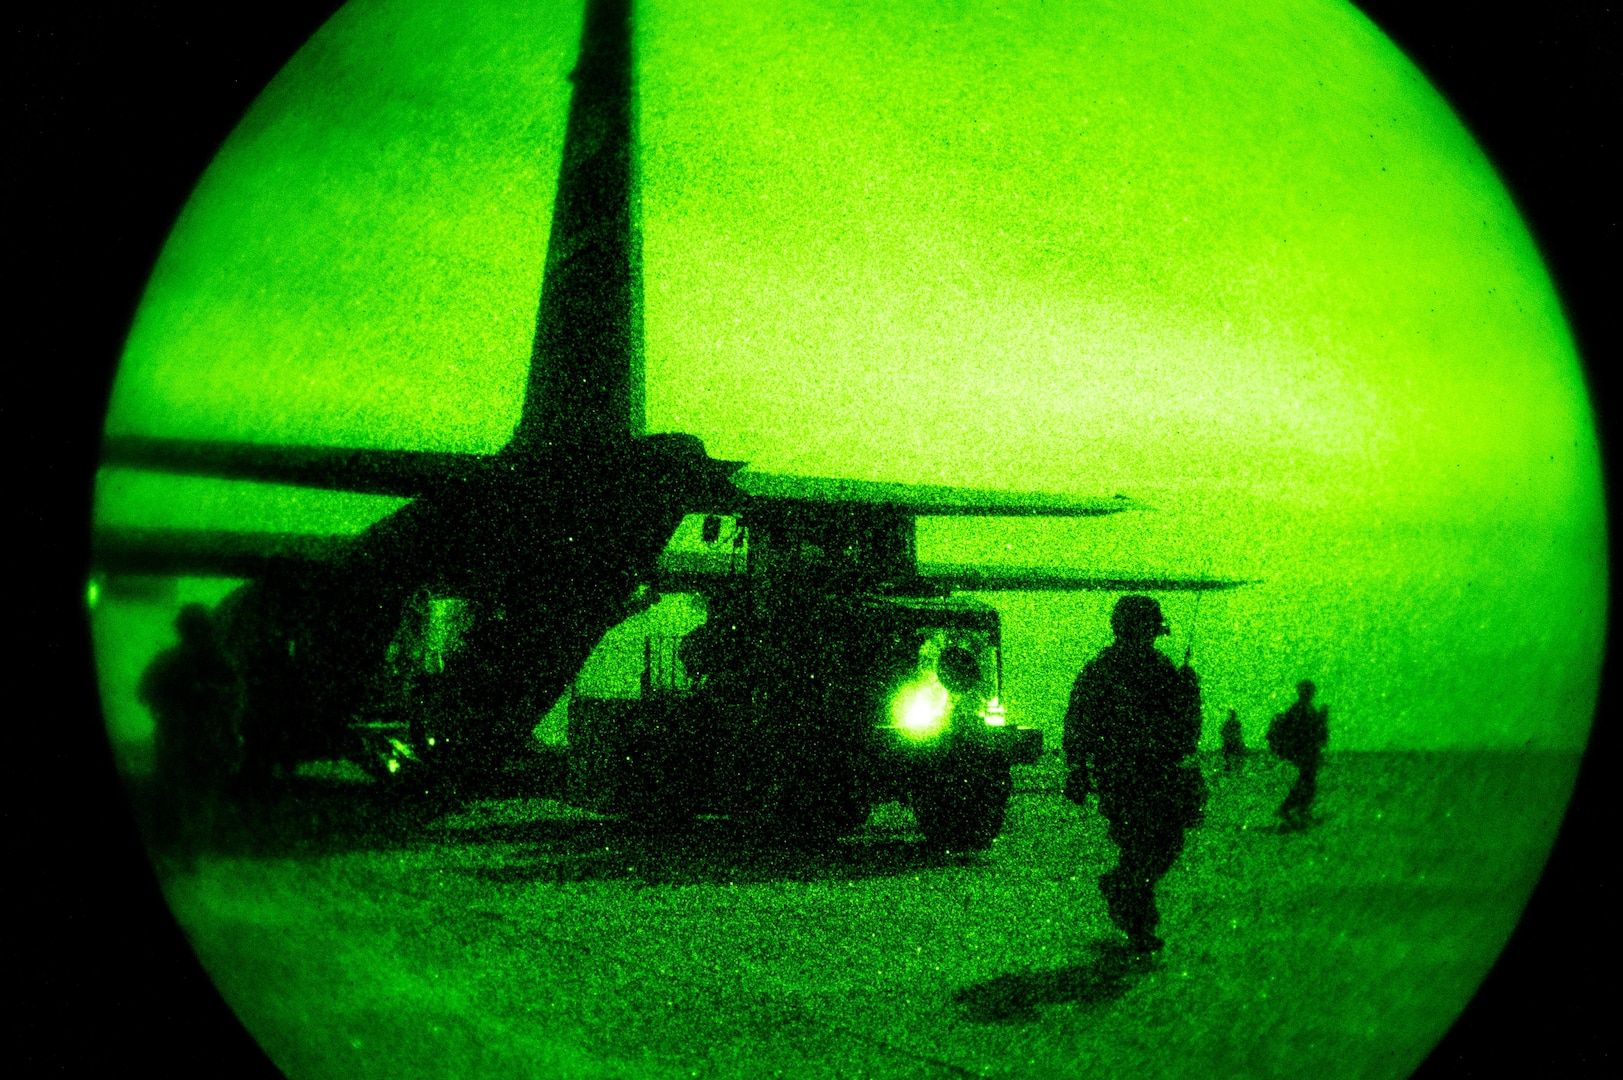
{"type": "Point", "coordinates": [121, 107]}
{"type": "Point", "coordinates": [1538, 87]}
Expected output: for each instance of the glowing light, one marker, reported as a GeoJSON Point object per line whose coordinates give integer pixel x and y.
{"type": "Point", "coordinates": [994, 713]}
{"type": "Point", "coordinates": [921, 707]}
{"type": "Point", "coordinates": [394, 765]}
{"type": "Point", "coordinates": [92, 594]}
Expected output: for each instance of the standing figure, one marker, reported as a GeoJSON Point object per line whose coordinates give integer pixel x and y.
{"type": "Point", "coordinates": [1133, 722]}
{"type": "Point", "coordinates": [1235, 750]}
{"type": "Point", "coordinates": [195, 699]}
{"type": "Point", "coordinates": [1299, 735]}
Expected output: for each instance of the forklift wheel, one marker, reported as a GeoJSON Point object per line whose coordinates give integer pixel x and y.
{"type": "Point", "coordinates": [960, 807]}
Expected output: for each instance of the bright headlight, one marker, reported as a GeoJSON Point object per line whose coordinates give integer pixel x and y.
{"type": "Point", "coordinates": [920, 707]}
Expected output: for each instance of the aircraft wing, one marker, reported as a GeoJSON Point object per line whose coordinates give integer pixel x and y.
{"type": "Point", "coordinates": [1034, 579]}
{"type": "Point", "coordinates": [404, 473]}
{"type": "Point", "coordinates": [687, 571]}
{"type": "Point", "coordinates": [927, 499]}
{"type": "Point", "coordinates": [206, 552]}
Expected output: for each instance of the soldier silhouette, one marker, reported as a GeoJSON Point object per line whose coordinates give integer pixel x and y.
{"type": "Point", "coordinates": [1133, 722]}
{"type": "Point", "coordinates": [1299, 735]}
{"type": "Point", "coordinates": [960, 673]}
{"type": "Point", "coordinates": [194, 696]}
{"type": "Point", "coordinates": [1235, 750]}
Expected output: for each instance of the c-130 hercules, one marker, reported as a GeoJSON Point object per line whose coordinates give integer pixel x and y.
{"type": "Point", "coordinates": [847, 674]}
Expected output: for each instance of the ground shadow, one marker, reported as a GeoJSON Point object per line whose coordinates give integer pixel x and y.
{"type": "Point", "coordinates": [315, 815]}
{"type": "Point", "coordinates": [1286, 828]}
{"type": "Point", "coordinates": [1016, 998]}
{"type": "Point", "coordinates": [709, 851]}
{"type": "Point", "coordinates": [306, 819]}
{"type": "Point", "coordinates": [530, 840]}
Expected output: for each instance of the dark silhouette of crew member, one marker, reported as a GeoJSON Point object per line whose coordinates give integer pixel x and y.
{"type": "Point", "coordinates": [1235, 750]}
{"type": "Point", "coordinates": [1133, 722]}
{"type": "Point", "coordinates": [194, 695]}
{"type": "Point", "coordinates": [1299, 735]}
{"type": "Point", "coordinates": [960, 673]}
{"type": "Point", "coordinates": [712, 653]}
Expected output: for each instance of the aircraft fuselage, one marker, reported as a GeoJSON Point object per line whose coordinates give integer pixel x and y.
{"type": "Point", "coordinates": [548, 552]}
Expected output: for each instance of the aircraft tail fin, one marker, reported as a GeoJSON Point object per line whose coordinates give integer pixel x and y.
{"type": "Point", "coordinates": [586, 367]}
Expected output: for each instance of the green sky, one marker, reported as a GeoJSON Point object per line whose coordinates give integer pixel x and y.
{"type": "Point", "coordinates": [1245, 265]}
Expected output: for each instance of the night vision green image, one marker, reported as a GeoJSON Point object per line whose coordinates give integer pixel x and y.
{"type": "Point", "coordinates": [647, 538]}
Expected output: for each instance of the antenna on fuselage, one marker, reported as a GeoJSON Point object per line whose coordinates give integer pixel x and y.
{"type": "Point", "coordinates": [1194, 619]}
{"type": "Point", "coordinates": [585, 382]}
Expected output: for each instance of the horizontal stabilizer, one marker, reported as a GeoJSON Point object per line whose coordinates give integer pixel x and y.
{"type": "Point", "coordinates": [1032, 579]}
{"type": "Point", "coordinates": [206, 552]}
{"type": "Point", "coordinates": [927, 499]}
{"type": "Point", "coordinates": [405, 473]}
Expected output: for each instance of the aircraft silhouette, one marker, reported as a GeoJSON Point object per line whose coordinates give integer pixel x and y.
{"type": "Point", "coordinates": [558, 537]}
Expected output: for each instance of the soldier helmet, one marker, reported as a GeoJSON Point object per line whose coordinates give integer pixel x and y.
{"type": "Point", "coordinates": [958, 669]}
{"type": "Point", "coordinates": [1306, 688]}
{"type": "Point", "coordinates": [1137, 616]}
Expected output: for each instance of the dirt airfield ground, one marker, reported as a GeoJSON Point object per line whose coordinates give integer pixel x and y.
{"type": "Point", "coordinates": [521, 937]}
